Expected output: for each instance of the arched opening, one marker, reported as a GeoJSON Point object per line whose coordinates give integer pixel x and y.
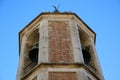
{"type": "Point", "coordinates": [87, 49]}
{"type": "Point", "coordinates": [86, 55]}
{"type": "Point", "coordinates": [31, 51]}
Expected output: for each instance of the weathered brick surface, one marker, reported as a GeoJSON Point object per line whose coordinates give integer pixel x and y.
{"type": "Point", "coordinates": [62, 76]}
{"type": "Point", "coordinates": [60, 47]}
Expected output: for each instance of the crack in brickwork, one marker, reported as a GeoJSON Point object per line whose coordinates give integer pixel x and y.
{"type": "Point", "coordinates": [60, 47]}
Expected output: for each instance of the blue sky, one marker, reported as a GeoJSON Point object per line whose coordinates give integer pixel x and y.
{"type": "Point", "coordinates": [103, 16]}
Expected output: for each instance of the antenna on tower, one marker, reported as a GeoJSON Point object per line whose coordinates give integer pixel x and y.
{"type": "Point", "coordinates": [56, 8]}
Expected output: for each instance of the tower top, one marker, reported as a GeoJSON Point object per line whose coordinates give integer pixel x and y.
{"type": "Point", "coordinates": [56, 11]}
{"type": "Point", "coordinates": [42, 15]}
{"type": "Point", "coordinates": [58, 45]}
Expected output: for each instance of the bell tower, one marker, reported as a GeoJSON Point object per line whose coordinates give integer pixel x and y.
{"type": "Point", "coordinates": [58, 46]}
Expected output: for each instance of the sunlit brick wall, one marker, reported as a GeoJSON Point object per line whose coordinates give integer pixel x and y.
{"type": "Point", "coordinates": [60, 47]}
{"type": "Point", "coordinates": [62, 76]}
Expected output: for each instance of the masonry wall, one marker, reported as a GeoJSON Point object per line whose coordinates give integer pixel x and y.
{"type": "Point", "coordinates": [60, 53]}
{"type": "Point", "coordinates": [60, 45]}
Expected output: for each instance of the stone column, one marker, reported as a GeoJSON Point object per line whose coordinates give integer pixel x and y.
{"type": "Point", "coordinates": [21, 59]}
{"type": "Point", "coordinates": [43, 75]}
{"type": "Point", "coordinates": [77, 51]}
{"type": "Point", "coordinates": [43, 42]}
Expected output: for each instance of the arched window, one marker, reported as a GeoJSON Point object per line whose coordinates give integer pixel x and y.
{"type": "Point", "coordinates": [31, 51]}
{"type": "Point", "coordinates": [87, 49]}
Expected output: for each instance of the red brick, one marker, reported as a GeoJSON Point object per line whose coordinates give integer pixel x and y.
{"type": "Point", "coordinates": [60, 42]}
{"type": "Point", "coordinates": [62, 76]}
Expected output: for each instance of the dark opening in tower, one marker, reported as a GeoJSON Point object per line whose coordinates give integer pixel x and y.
{"type": "Point", "coordinates": [86, 55]}
{"type": "Point", "coordinates": [31, 51]}
{"type": "Point", "coordinates": [87, 49]}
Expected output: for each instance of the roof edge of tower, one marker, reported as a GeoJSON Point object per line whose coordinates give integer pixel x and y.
{"type": "Point", "coordinates": [69, 13]}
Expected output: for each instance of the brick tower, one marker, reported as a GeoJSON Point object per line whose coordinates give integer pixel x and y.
{"type": "Point", "coordinates": [58, 46]}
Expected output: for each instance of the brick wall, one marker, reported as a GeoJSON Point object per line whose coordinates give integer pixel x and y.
{"type": "Point", "coordinates": [60, 47]}
{"type": "Point", "coordinates": [62, 76]}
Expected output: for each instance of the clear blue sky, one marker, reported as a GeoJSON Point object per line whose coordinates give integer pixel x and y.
{"type": "Point", "coordinates": [103, 16]}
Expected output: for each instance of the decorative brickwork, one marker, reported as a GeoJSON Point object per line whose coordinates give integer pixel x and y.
{"type": "Point", "coordinates": [62, 76]}
{"type": "Point", "coordinates": [60, 47]}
